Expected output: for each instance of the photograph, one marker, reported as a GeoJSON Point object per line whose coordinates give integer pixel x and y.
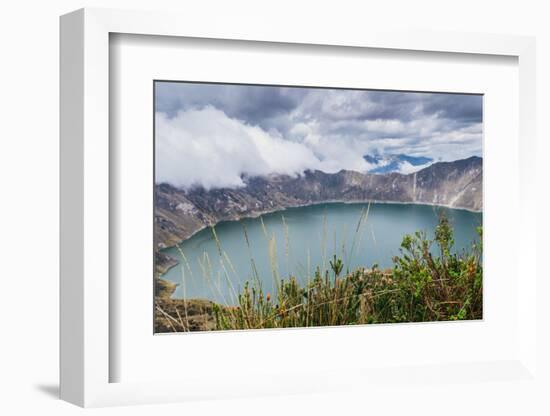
{"type": "Point", "coordinates": [286, 207]}
{"type": "Point", "coordinates": [280, 206]}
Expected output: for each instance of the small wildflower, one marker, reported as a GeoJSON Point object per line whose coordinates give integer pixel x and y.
{"type": "Point", "coordinates": [268, 297]}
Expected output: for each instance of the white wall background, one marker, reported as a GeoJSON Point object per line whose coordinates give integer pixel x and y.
{"type": "Point", "coordinates": [29, 183]}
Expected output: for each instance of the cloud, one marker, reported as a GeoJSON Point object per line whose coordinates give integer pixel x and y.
{"type": "Point", "coordinates": [255, 104]}
{"type": "Point", "coordinates": [204, 147]}
{"type": "Point", "coordinates": [463, 108]}
{"type": "Point", "coordinates": [216, 134]}
{"type": "Point", "coordinates": [405, 167]}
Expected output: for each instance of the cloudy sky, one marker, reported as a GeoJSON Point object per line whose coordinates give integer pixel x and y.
{"type": "Point", "coordinates": [213, 135]}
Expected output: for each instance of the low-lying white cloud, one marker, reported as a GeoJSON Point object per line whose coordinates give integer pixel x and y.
{"type": "Point", "coordinates": [204, 147]}
{"type": "Point", "coordinates": [405, 167]}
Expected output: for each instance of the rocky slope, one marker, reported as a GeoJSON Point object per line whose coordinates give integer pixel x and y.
{"type": "Point", "coordinates": [179, 214]}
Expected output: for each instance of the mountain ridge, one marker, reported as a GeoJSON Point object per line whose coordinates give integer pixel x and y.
{"type": "Point", "coordinates": [181, 213]}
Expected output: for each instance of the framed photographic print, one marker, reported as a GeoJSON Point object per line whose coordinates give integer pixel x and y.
{"type": "Point", "coordinates": [237, 208]}
{"type": "Point", "coordinates": [289, 207]}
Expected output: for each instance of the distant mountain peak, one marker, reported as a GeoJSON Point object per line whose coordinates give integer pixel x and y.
{"type": "Point", "coordinates": [399, 163]}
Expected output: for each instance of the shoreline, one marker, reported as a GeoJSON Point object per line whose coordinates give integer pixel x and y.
{"type": "Point", "coordinates": [258, 215]}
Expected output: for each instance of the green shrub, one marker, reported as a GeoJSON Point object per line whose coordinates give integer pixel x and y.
{"type": "Point", "coordinates": [420, 287]}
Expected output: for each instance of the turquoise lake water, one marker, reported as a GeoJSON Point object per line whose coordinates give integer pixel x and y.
{"type": "Point", "coordinates": [301, 238]}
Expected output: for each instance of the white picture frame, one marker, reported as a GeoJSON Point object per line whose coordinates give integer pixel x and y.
{"type": "Point", "coordinates": [85, 211]}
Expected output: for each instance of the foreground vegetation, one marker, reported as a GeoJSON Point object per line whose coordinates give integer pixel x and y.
{"type": "Point", "coordinates": [428, 282]}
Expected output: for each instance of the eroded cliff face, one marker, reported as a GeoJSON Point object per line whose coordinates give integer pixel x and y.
{"type": "Point", "coordinates": [179, 213]}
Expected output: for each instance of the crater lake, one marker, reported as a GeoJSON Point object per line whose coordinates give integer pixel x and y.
{"type": "Point", "coordinates": [215, 263]}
